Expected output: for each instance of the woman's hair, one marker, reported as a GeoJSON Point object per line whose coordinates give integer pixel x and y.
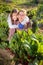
{"type": "Point", "coordinates": [13, 11]}
{"type": "Point", "coordinates": [22, 10]}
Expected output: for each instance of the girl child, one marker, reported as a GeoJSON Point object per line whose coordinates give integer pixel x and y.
{"type": "Point", "coordinates": [24, 21]}
{"type": "Point", "coordinates": [12, 22]}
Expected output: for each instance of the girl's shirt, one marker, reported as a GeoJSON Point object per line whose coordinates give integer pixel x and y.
{"type": "Point", "coordinates": [10, 23]}
{"type": "Point", "coordinates": [24, 23]}
{"type": "Point", "coordinates": [21, 25]}
{"type": "Point", "coordinates": [26, 20]}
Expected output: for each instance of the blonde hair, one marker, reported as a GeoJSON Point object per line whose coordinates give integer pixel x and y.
{"type": "Point", "coordinates": [23, 10]}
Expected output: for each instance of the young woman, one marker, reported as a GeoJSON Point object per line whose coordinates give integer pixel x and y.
{"type": "Point", "coordinates": [12, 22]}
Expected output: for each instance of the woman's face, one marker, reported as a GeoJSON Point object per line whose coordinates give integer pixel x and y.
{"type": "Point", "coordinates": [14, 16]}
{"type": "Point", "coordinates": [21, 16]}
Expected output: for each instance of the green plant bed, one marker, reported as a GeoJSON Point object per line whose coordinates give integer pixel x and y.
{"type": "Point", "coordinates": [26, 47]}
{"type": "Point", "coordinates": [3, 26]}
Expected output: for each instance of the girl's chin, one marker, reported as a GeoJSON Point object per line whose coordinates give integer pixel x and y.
{"type": "Point", "coordinates": [14, 20]}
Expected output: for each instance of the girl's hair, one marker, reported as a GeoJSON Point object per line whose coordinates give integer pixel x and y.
{"type": "Point", "coordinates": [13, 11]}
{"type": "Point", "coordinates": [22, 10]}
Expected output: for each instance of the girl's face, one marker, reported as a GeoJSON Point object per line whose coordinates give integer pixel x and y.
{"type": "Point", "coordinates": [21, 16]}
{"type": "Point", "coordinates": [14, 16]}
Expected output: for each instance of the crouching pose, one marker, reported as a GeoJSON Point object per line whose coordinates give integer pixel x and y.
{"type": "Point", "coordinates": [17, 20]}
{"type": "Point", "coordinates": [12, 22]}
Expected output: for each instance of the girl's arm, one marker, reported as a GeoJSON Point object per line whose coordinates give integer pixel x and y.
{"type": "Point", "coordinates": [27, 25]}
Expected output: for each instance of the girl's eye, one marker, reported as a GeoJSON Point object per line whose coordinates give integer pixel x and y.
{"type": "Point", "coordinates": [21, 15]}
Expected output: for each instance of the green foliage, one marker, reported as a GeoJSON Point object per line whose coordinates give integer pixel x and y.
{"type": "Point", "coordinates": [25, 45]}
{"type": "Point", "coordinates": [3, 45]}
{"type": "Point", "coordinates": [40, 12]}
{"type": "Point", "coordinates": [34, 26]}
{"type": "Point", "coordinates": [3, 26]}
{"type": "Point", "coordinates": [36, 13]}
{"type": "Point", "coordinates": [4, 7]}
{"type": "Point", "coordinates": [31, 13]}
{"type": "Point", "coordinates": [41, 62]}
